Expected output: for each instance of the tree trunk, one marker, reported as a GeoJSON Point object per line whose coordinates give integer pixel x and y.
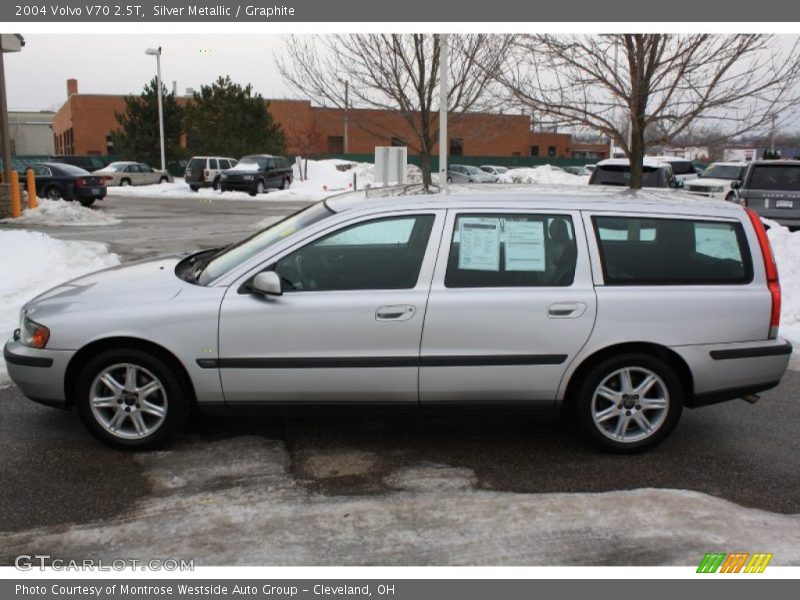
{"type": "Point", "coordinates": [425, 158]}
{"type": "Point", "coordinates": [636, 156]}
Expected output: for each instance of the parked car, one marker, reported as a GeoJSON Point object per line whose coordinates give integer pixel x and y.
{"type": "Point", "coordinates": [718, 180]}
{"type": "Point", "coordinates": [84, 161]}
{"type": "Point", "coordinates": [683, 168]}
{"type": "Point", "coordinates": [57, 181]}
{"type": "Point", "coordinates": [589, 168]}
{"type": "Point", "coordinates": [772, 189]}
{"type": "Point", "coordinates": [468, 174]}
{"type": "Point", "coordinates": [624, 308]}
{"type": "Point", "coordinates": [494, 169]}
{"type": "Point", "coordinates": [132, 173]}
{"type": "Point", "coordinates": [617, 171]}
{"type": "Point", "coordinates": [204, 171]}
{"type": "Point", "coordinates": [582, 171]}
{"type": "Point", "coordinates": [257, 173]}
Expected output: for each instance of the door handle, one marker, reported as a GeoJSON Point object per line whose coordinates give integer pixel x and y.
{"type": "Point", "coordinates": [566, 310]}
{"type": "Point", "coordinates": [397, 312]}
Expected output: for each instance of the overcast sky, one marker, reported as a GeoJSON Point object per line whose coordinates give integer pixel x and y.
{"type": "Point", "coordinates": [106, 64]}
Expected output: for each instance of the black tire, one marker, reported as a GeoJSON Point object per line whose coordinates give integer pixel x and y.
{"type": "Point", "coordinates": [53, 193]}
{"type": "Point", "coordinates": [449, 180]}
{"type": "Point", "coordinates": [194, 188]}
{"type": "Point", "coordinates": [125, 182]}
{"type": "Point", "coordinates": [215, 184]}
{"type": "Point", "coordinates": [163, 180]}
{"type": "Point", "coordinates": [87, 202]}
{"type": "Point", "coordinates": [285, 183]}
{"type": "Point", "coordinates": [730, 197]}
{"type": "Point", "coordinates": [259, 189]}
{"type": "Point", "coordinates": [629, 407]}
{"type": "Point", "coordinates": [175, 397]}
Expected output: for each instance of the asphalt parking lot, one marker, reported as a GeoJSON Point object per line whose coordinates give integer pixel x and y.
{"type": "Point", "coordinates": [388, 488]}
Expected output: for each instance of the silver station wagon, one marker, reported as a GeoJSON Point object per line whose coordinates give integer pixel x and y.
{"type": "Point", "coordinates": [621, 308]}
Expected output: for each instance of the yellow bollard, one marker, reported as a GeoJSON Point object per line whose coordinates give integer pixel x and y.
{"type": "Point", "coordinates": [32, 202]}
{"type": "Point", "coordinates": [16, 207]}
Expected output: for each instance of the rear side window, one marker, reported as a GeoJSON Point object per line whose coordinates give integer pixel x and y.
{"type": "Point", "coordinates": [212, 164]}
{"type": "Point", "coordinates": [511, 250]}
{"type": "Point", "coordinates": [775, 177]}
{"type": "Point", "coordinates": [683, 167]}
{"type": "Point", "coordinates": [641, 251]}
{"type": "Point", "coordinates": [621, 175]}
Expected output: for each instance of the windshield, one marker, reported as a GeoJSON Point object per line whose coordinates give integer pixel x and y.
{"type": "Point", "coordinates": [621, 175]}
{"type": "Point", "coordinates": [775, 177]}
{"type": "Point", "coordinates": [238, 253]}
{"type": "Point", "coordinates": [682, 167]}
{"type": "Point", "coordinates": [723, 172]}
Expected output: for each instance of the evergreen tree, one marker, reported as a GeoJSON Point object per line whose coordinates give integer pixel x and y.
{"type": "Point", "coordinates": [138, 136]}
{"type": "Point", "coordinates": [227, 119]}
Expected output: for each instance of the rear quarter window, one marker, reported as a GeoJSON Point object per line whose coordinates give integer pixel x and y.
{"type": "Point", "coordinates": [662, 251]}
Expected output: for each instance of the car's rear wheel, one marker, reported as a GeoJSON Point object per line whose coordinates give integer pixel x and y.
{"type": "Point", "coordinates": [52, 193]}
{"type": "Point", "coordinates": [285, 183]}
{"type": "Point", "coordinates": [125, 182]}
{"type": "Point", "coordinates": [630, 403]}
{"type": "Point", "coordinates": [215, 185]}
{"type": "Point", "coordinates": [194, 188]}
{"type": "Point", "coordinates": [163, 179]}
{"type": "Point", "coordinates": [87, 202]}
{"type": "Point", "coordinates": [130, 399]}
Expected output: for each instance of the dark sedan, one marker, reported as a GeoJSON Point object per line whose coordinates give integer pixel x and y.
{"type": "Point", "coordinates": [55, 181]}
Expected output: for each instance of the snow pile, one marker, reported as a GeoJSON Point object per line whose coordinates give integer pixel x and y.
{"type": "Point", "coordinates": [325, 177]}
{"type": "Point", "coordinates": [60, 213]}
{"type": "Point", "coordinates": [786, 247]}
{"type": "Point", "coordinates": [545, 174]}
{"type": "Point", "coordinates": [37, 263]}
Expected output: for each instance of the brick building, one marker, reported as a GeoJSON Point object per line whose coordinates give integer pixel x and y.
{"type": "Point", "coordinates": [83, 125]}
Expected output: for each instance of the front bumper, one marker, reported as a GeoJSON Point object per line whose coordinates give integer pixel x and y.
{"type": "Point", "coordinates": [237, 186]}
{"type": "Point", "coordinates": [39, 374]}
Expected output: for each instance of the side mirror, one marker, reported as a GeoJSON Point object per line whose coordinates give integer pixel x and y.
{"type": "Point", "coordinates": [678, 183]}
{"type": "Point", "coordinates": [736, 185]}
{"type": "Point", "coordinates": [267, 283]}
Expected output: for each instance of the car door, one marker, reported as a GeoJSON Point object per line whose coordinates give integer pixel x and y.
{"type": "Point", "coordinates": [271, 178]}
{"type": "Point", "coordinates": [347, 327]}
{"type": "Point", "coordinates": [511, 304]}
{"type": "Point", "coordinates": [147, 174]}
{"type": "Point", "coordinates": [43, 177]}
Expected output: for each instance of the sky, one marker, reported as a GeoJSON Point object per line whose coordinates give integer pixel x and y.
{"type": "Point", "coordinates": [116, 64]}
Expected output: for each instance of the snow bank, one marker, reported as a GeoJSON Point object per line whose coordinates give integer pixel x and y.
{"type": "Point", "coordinates": [786, 247]}
{"type": "Point", "coordinates": [39, 262]}
{"type": "Point", "coordinates": [325, 177]}
{"type": "Point", "coordinates": [59, 213]}
{"type": "Point", "coordinates": [545, 174]}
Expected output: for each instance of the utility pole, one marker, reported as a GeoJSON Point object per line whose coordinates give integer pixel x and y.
{"type": "Point", "coordinates": [4, 119]}
{"type": "Point", "coordinates": [157, 53]}
{"type": "Point", "coordinates": [346, 145]}
{"type": "Point", "coordinates": [444, 93]}
{"type": "Point", "coordinates": [772, 135]}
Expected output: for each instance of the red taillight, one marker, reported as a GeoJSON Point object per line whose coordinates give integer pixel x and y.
{"type": "Point", "coordinates": [771, 270]}
{"type": "Point", "coordinates": [80, 182]}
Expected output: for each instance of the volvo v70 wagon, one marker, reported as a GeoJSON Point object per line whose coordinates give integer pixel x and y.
{"type": "Point", "coordinates": [622, 308]}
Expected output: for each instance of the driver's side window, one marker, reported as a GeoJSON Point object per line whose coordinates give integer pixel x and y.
{"type": "Point", "coordinates": [380, 254]}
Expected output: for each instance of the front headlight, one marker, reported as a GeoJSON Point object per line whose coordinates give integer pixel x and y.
{"type": "Point", "coordinates": [717, 190]}
{"type": "Point", "coordinates": [33, 334]}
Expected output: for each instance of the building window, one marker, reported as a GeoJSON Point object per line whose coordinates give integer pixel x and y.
{"type": "Point", "coordinates": [534, 150]}
{"type": "Point", "coordinates": [396, 141]}
{"type": "Point", "coordinates": [456, 147]}
{"type": "Point", "coordinates": [551, 151]}
{"type": "Point", "coordinates": [109, 145]}
{"type": "Point", "coordinates": [335, 144]}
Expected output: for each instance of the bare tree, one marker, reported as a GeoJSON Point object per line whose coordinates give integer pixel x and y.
{"type": "Point", "coordinates": [394, 72]}
{"type": "Point", "coordinates": [651, 88]}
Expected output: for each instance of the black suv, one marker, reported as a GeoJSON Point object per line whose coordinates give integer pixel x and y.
{"type": "Point", "coordinates": [257, 173]}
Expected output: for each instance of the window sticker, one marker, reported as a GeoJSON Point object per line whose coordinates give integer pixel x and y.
{"type": "Point", "coordinates": [524, 246]}
{"type": "Point", "coordinates": [480, 244]}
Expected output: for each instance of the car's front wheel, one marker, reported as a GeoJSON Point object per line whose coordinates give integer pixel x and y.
{"type": "Point", "coordinates": [130, 399]}
{"type": "Point", "coordinates": [52, 193]}
{"type": "Point", "coordinates": [163, 179]}
{"type": "Point", "coordinates": [630, 403]}
{"type": "Point", "coordinates": [260, 188]}
{"type": "Point", "coordinates": [87, 202]}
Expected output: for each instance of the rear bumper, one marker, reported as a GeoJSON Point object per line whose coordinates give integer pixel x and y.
{"type": "Point", "coordinates": [728, 371]}
{"type": "Point", "coordinates": [39, 374]}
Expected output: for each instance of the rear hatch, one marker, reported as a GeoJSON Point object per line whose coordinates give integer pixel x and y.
{"type": "Point", "coordinates": [195, 168]}
{"type": "Point", "coordinates": [773, 190]}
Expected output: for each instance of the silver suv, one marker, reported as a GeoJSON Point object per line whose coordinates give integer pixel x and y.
{"type": "Point", "coordinates": [622, 308]}
{"type": "Point", "coordinates": [772, 189]}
